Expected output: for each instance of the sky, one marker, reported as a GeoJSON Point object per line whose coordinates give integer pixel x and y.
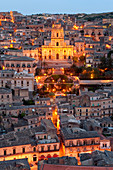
{"type": "Point", "coordinates": [56, 6]}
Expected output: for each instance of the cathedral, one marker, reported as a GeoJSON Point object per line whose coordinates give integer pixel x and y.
{"type": "Point", "coordinates": [57, 52]}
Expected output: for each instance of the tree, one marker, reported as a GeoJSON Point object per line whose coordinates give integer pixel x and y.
{"type": "Point", "coordinates": [106, 62]}
{"type": "Point", "coordinates": [103, 63]}
{"type": "Point", "coordinates": [82, 58]}
{"type": "Point", "coordinates": [75, 59]}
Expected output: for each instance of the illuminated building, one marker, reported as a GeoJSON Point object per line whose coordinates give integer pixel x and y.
{"type": "Point", "coordinates": [58, 51]}
{"type": "Point", "coordinates": [79, 48]}
{"type": "Point", "coordinates": [12, 17]}
{"type": "Point", "coordinates": [34, 144]}
{"type": "Point", "coordinates": [78, 141]}
{"type": "Point", "coordinates": [13, 79]}
{"type": "Point", "coordinates": [20, 64]}
{"type": "Point", "coordinates": [94, 31]}
{"type": "Point", "coordinates": [5, 96]}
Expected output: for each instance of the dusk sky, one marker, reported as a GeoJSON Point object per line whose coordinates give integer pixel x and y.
{"type": "Point", "coordinates": [57, 6]}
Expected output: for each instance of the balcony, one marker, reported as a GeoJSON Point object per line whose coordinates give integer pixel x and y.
{"type": "Point", "coordinates": [53, 150]}
{"type": "Point", "coordinates": [12, 65]}
{"type": "Point", "coordinates": [81, 145]}
{"type": "Point", "coordinates": [18, 65]}
{"type": "Point", "coordinates": [23, 65]}
{"type": "Point", "coordinates": [28, 66]}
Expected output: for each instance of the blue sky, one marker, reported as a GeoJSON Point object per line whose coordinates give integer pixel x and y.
{"type": "Point", "coordinates": [57, 6]}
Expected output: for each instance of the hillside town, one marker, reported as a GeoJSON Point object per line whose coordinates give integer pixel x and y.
{"type": "Point", "coordinates": [56, 91]}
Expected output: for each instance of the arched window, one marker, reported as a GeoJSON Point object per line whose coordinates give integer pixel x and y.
{"type": "Point", "coordinates": [69, 57]}
{"type": "Point", "coordinates": [64, 56]}
{"type": "Point", "coordinates": [92, 33]}
{"type": "Point", "coordinates": [34, 158]}
{"type": "Point", "coordinates": [57, 44]}
{"type": "Point", "coordinates": [14, 151]}
{"type": "Point", "coordinates": [57, 56]}
{"type": "Point", "coordinates": [57, 34]}
{"type": "Point", "coordinates": [31, 55]}
{"type": "Point", "coordinates": [48, 156]}
{"type": "Point", "coordinates": [34, 149]}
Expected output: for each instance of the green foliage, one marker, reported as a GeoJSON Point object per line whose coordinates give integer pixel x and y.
{"type": "Point", "coordinates": [22, 115]}
{"type": "Point", "coordinates": [107, 62]}
{"type": "Point", "coordinates": [38, 72]}
{"type": "Point", "coordinates": [28, 102]}
{"type": "Point", "coordinates": [13, 48]}
{"type": "Point", "coordinates": [51, 94]}
{"type": "Point", "coordinates": [87, 72]}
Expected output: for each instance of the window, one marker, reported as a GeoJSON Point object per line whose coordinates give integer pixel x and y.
{"type": "Point", "coordinates": [28, 65]}
{"type": "Point", "coordinates": [92, 142]}
{"type": "Point", "coordinates": [23, 65]}
{"type": "Point", "coordinates": [2, 96]}
{"type": "Point", "coordinates": [34, 158]}
{"type": "Point", "coordinates": [18, 65]}
{"type": "Point", "coordinates": [23, 150]}
{"type": "Point", "coordinates": [57, 56]}
{"type": "Point", "coordinates": [2, 83]}
{"type": "Point", "coordinates": [55, 147]}
{"type": "Point", "coordinates": [12, 65]}
{"type": "Point", "coordinates": [34, 149]}
{"type": "Point", "coordinates": [57, 34]}
{"type": "Point", "coordinates": [57, 44]}
{"type": "Point", "coordinates": [21, 83]}
{"type": "Point", "coordinates": [7, 96]}
{"type": "Point", "coordinates": [64, 56]}
{"type": "Point", "coordinates": [14, 151]}
{"type": "Point", "coordinates": [42, 148]}
{"type": "Point", "coordinates": [70, 143]}
{"type": "Point", "coordinates": [7, 65]}
{"type": "Point", "coordinates": [5, 152]}
{"type": "Point", "coordinates": [44, 137]}
{"type": "Point", "coordinates": [48, 148]}
{"type": "Point", "coordinates": [85, 143]}
{"type": "Point", "coordinates": [27, 83]}
{"type": "Point", "coordinates": [49, 56]}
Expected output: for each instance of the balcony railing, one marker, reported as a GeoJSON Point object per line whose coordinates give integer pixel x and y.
{"type": "Point", "coordinates": [53, 150]}
{"type": "Point", "coordinates": [82, 145]}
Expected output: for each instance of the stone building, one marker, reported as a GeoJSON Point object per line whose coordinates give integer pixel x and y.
{"type": "Point", "coordinates": [19, 64]}
{"type": "Point", "coordinates": [57, 51]}
{"type": "Point", "coordinates": [5, 96]}
{"type": "Point", "coordinates": [12, 79]}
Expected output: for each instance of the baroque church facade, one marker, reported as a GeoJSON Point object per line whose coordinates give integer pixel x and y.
{"type": "Point", "coordinates": [57, 52]}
